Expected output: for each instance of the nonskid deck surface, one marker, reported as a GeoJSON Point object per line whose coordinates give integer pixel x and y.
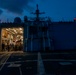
{"type": "Point", "coordinates": [24, 63]}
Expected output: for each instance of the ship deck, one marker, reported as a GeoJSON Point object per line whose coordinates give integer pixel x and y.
{"type": "Point", "coordinates": [37, 63]}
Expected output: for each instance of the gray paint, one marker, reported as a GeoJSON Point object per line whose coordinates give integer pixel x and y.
{"type": "Point", "coordinates": [59, 36]}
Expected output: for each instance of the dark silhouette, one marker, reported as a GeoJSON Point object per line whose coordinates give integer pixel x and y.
{"type": "Point", "coordinates": [17, 20]}
{"type": "Point", "coordinates": [3, 46]}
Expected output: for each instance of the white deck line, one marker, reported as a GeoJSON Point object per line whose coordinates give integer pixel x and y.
{"type": "Point", "coordinates": [54, 53]}
{"type": "Point", "coordinates": [20, 71]}
{"type": "Point", "coordinates": [62, 60]}
{"type": "Point", "coordinates": [2, 55]}
{"type": "Point", "coordinates": [58, 60]}
{"type": "Point", "coordinates": [4, 62]}
{"type": "Point", "coordinates": [40, 66]}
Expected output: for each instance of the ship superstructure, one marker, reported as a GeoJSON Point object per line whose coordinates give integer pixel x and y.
{"type": "Point", "coordinates": [40, 34]}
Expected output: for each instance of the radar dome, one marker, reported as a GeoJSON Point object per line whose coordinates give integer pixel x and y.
{"type": "Point", "coordinates": [17, 20]}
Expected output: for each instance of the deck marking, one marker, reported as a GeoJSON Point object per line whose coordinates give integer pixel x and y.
{"type": "Point", "coordinates": [60, 60]}
{"type": "Point", "coordinates": [20, 71]}
{"type": "Point", "coordinates": [2, 55]}
{"type": "Point", "coordinates": [40, 69]}
{"type": "Point", "coordinates": [65, 63]}
{"type": "Point", "coordinates": [5, 62]}
{"type": "Point", "coordinates": [55, 53]}
{"type": "Point", "coordinates": [20, 61]}
{"type": "Point", "coordinates": [14, 65]}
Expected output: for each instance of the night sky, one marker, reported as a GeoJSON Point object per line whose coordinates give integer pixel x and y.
{"type": "Point", "coordinates": [57, 10]}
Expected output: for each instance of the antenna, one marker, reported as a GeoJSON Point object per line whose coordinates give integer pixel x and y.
{"type": "Point", "coordinates": [37, 13]}
{"type": "Point", "coordinates": [37, 6]}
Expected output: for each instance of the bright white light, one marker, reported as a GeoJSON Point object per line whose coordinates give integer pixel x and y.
{"type": "Point", "coordinates": [20, 28]}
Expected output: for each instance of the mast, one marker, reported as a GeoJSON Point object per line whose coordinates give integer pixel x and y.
{"type": "Point", "coordinates": [37, 13]}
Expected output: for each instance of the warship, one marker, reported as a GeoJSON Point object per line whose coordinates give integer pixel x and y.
{"type": "Point", "coordinates": [38, 34]}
